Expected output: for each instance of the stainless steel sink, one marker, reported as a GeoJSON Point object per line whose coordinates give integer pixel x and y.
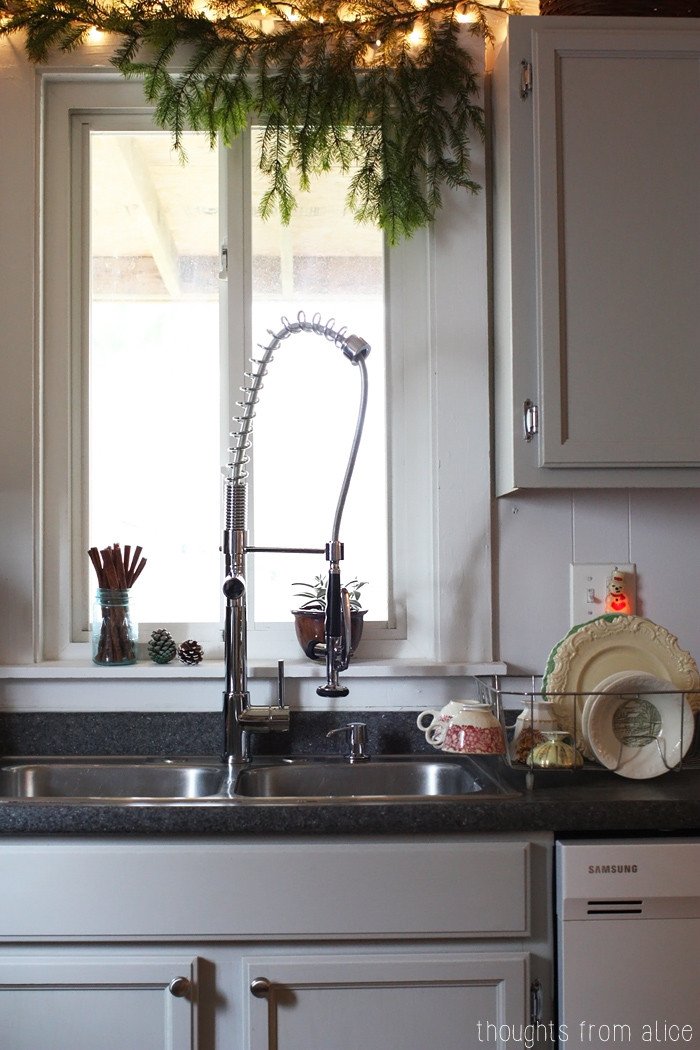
{"type": "Point", "coordinates": [106, 778]}
{"type": "Point", "coordinates": [160, 780]}
{"type": "Point", "coordinates": [378, 778]}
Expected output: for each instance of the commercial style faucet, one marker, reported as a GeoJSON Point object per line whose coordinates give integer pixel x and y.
{"type": "Point", "coordinates": [241, 718]}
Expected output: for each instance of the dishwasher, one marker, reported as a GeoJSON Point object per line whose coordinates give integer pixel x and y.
{"type": "Point", "coordinates": [628, 942]}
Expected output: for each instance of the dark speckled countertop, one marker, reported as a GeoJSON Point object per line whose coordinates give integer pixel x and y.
{"type": "Point", "coordinates": [589, 801]}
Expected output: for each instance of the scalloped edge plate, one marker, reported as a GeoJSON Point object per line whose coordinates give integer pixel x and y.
{"type": "Point", "coordinates": [609, 644]}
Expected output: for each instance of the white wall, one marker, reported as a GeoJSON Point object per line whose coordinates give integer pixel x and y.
{"type": "Point", "coordinates": [17, 311]}
{"type": "Point", "coordinates": [541, 533]}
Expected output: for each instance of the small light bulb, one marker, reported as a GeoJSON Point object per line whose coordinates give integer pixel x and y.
{"type": "Point", "coordinates": [95, 34]}
{"type": "Point", "coordinates": [415, 36]}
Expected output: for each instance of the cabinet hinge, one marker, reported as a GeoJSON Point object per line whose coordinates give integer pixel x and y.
{"type": "Point", "coordinates": [525, 79]}
{"type": "Point", "coordinates": [531, 419]}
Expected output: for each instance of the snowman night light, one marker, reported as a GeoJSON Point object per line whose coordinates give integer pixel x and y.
{"type": "Point", "coordinates": [616, 601]}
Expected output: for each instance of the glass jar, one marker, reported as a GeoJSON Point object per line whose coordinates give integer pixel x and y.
{"type": "Point", "coordinates": [532, 725]}
{"type": "Point", "coordinates": [114, 632]}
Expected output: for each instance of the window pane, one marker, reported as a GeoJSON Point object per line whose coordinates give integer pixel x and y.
{"type": "Point", "coordinates": [154, 476]}
{"type": "Point", "coordinates": [325, 263]}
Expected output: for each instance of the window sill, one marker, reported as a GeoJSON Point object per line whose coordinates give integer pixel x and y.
{"type": "Point", "coordinates": [257, 669]}
{"type": "Point", "coordinates": [78, 685]}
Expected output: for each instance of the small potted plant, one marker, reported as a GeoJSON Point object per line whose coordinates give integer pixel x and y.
{"type": "Point", "coordinates": [309, 618]}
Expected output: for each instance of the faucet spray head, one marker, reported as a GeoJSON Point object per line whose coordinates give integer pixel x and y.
{"type": "Point", "coordinates": [234, 587]}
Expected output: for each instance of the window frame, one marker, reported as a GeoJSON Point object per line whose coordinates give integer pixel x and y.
{"type": "Point", "coordinates": [440, 501]}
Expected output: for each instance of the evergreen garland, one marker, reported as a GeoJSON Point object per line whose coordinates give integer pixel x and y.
{"type": "Point", "coordinates": [384, 88]}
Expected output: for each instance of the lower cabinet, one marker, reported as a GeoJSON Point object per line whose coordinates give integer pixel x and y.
{"type": "Point", "coordinates": [321, 945]}
{"type": "Point", "coordinates": [75, 1002]}
{"type": "Point", "coordinates": [441, 1000]}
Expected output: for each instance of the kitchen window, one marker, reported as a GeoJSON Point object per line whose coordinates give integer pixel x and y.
{"type": "Point", "coordinates": [430, 555]}
{"type": "Point", "coordinates": [152, 357]}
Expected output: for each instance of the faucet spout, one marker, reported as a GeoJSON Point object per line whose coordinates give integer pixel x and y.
{"type": "Point", "coordinates": [241, 718]}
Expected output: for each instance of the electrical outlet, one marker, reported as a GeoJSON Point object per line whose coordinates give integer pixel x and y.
{"type": "Point", "coordinates": [589, 587]}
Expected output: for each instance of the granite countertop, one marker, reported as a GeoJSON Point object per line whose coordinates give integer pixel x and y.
{"type": "Point", "coordinates": [587, 801]}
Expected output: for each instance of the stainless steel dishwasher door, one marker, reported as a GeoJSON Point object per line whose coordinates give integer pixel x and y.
{"type": "Point", "coordinates": [628, 942]}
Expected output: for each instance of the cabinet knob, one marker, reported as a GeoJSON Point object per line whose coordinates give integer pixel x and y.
{"type": "Point", "coordinates": [260, 987]}
{"type": "Point", "coordinates": [179, 987]}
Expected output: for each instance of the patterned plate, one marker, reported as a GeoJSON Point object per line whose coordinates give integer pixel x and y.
{"type": "Point", "coordinates": [593, 651]}
{"type": "Point", "coordinates": [641, 728]}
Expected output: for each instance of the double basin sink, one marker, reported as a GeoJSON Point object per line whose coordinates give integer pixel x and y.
{"type": "Point", "coordinates": [159, 780]}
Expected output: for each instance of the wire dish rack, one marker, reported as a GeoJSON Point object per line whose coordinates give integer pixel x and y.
{"type": "Point", "coordinates": [638, 733]}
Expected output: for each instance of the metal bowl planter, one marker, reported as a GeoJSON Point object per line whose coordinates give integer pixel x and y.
{"type": "Point", "coordinates": [309, 626]}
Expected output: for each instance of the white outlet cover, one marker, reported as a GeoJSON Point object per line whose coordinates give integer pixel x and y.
{"type": "Point", "coordinates": [590, 581]}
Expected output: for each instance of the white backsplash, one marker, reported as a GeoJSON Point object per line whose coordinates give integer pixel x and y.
{"type": "Point", "coordinates": [539, 534]}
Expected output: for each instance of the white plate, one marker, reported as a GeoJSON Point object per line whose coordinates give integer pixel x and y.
{"type": "Point", "coordinates": [593, 651]}
{"type": "Point", "coordinates": [639, 726]}
{"type": "Point", "coordinates": [606, 686]}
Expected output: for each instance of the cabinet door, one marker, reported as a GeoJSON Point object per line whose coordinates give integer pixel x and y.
{"type": "Point", "coordinates": [82, 1003]}
{"type": "Point", "coordinates": [611, 177]}
{"type": "Point", "coordinates": [386, 1002]}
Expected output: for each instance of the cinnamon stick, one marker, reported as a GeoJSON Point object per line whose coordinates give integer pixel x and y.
{"type": "Point", "coordinates": [139, 569]}
{"type": "Point", "coordinates": [110, 571]}
{"type": "Point", "coordinates": [94, 556]}
{"type": "Point", "coordinates": [119, 565]}
{"type": "Point", "coordinates": [131, 577]}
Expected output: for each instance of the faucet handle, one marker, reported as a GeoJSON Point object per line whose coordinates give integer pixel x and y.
{"type": "Point", "coordinates": [357, 740]}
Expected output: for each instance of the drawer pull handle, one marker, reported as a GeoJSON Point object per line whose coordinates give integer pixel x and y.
{"type": "Point", "coordinates": [179, 987]}
{"type": "Point", "coordinates": [260, 987]}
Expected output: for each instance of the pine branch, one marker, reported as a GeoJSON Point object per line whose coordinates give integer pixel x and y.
{"type": "Point", "coordinates": [387, 90]}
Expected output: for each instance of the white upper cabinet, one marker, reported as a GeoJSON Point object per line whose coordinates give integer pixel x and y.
{"type": "Point", "coordinates": [597, 253]}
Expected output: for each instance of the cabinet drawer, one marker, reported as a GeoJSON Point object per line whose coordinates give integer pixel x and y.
{"type": "Point", "coordinates": [297, 890]}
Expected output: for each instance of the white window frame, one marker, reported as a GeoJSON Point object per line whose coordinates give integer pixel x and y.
{"type": "Point", "coordinates": [439, 473]}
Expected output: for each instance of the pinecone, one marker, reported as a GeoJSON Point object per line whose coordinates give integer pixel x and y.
{"type": "Point", "coordinates": [190, 652]}
{"type": "Point", "coordinates": [161, 647]}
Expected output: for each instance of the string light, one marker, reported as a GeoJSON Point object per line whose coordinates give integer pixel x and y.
{"type": "Point", "coordinates": [95, 34]}
{"type": "Point", "coordinates": [415, 36]}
